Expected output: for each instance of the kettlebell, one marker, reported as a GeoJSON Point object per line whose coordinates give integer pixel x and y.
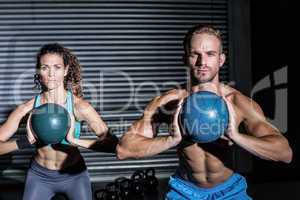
{"type": "Point", "coordinates": [124, 187]}
{"type": "Point", "coordinates": [151, 181]}
{"type": "Point", "coordinates": [137, 184]}
{"type": "Point", "coordinates": [100, 194]}
{"type": "Point", "coordinates": [111, 192]}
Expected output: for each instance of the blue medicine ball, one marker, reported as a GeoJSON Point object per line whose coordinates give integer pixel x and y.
{"type": "Point", "coordinates": [204, 117]}
{"type": "Point", "coordinates": [50, 122]}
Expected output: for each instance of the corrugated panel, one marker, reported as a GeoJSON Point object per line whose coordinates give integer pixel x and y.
{"type": "Point", "coordinates": [130, 50]}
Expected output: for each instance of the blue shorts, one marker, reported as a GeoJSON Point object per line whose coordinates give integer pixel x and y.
{"type": "Point", "coordinates": [43, 184]}
{"type": "Point", "coordinates": [234, 188]}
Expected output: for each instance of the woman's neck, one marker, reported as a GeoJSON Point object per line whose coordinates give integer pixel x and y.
{"type": "Point", "coordinates": [57, 96]}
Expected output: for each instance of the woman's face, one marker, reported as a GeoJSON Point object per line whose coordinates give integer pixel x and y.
{"type": "Point", "coordinates": [52, 71]}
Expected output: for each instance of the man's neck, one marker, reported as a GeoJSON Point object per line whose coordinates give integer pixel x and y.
{"type": "Point", "coordinates": [212, 87]}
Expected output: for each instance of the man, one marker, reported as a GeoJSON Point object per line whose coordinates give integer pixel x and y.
{"type": "Point", "coordinates": [203, 172]}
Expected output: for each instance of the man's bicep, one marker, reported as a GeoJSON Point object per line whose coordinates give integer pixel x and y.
{"type": "Point", "coordinates": [261, 128]}
{"type": "Point", "coordinates": [256, 122]}
{"type": "Point", "coordinates": [254, 119]}
{"type": "Point", "coordinates": [141, 127]}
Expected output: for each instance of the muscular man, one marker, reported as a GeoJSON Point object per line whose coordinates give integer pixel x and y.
{"type": "Point", "coordinates": [203, 172]}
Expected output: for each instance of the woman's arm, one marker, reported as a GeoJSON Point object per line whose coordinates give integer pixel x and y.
{"type": "Point", "coordinates": [105, 141]}
{"type": "Point", "coordinates": [10, 126]}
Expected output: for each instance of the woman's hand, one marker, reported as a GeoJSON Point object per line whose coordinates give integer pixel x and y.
{"type": "Point", "coordinates": [30, 135]}
{"type": "Point", "coordinates": [70, 135]}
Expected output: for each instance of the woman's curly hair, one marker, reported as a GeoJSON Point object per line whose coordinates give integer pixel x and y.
{"type": "Point", "coordinates": [72, 79]}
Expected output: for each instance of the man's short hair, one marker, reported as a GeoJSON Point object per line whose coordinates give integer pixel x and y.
{"type": "Point", "coordinates": [199, 29]}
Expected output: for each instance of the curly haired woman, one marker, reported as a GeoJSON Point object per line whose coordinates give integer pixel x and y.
{"type": "Point", "coordinates": [58, 168]}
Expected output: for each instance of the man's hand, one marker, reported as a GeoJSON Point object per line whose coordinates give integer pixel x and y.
{"type": "Point", "coordinates": [175, 129]}
{"type": "Point", "coordinates": [232, 131]}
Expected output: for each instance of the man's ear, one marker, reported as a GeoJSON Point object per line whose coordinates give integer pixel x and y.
{"type": "Point", "coordinates": [222, 59]}
{"type": "Point", "coordinates": [66, 70]}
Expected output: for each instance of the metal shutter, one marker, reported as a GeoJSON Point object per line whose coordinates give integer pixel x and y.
{"type": "Point", "coordinates": [130, 51]}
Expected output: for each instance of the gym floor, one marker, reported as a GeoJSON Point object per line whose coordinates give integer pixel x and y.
{"type": "Point", "coordinates": [262, 191]}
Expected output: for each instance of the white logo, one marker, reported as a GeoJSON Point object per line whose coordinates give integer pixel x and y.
{"type": "Point", "coordinates": [280, 78]}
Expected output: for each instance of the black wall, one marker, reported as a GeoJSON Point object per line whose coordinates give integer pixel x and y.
{"type": "Point", "coordinates": [270, 43]}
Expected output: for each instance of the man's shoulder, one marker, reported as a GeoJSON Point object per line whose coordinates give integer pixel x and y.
{"type": "Point", "coordinates": [241, 101]}
{"type": "Point", "coordinates": [175, 93]}
{"type": "Point", "coordinates": [234, 94]}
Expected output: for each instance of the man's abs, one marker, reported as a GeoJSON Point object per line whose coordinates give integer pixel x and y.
{"type": "Point", "coordinates": [201, 167]}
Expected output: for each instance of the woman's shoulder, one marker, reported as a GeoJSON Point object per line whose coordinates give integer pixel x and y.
{"type": "Point", "coordinates": [80, 103]}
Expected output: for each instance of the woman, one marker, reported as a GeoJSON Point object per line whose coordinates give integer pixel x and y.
{"type": "Point", "coordinates": [57, 168]}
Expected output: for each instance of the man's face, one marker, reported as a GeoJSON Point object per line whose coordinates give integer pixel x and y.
{"type": "Point", "coordinates": [205, 58]}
